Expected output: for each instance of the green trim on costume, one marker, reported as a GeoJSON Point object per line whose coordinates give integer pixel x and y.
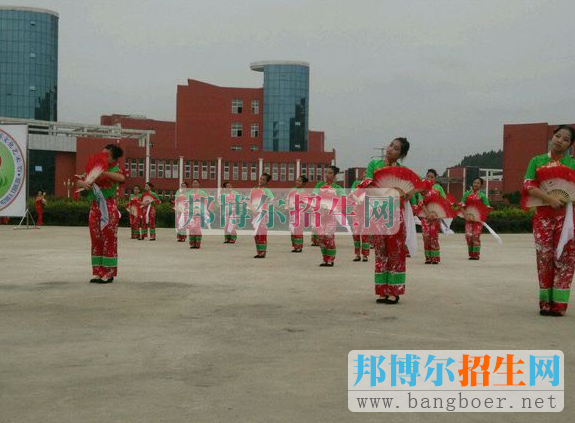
{"type": "Point", "coordinates": [432, 253]}
{"type": "Point", "coordinates": [560, 295]}
{"type": "Point", "coordinates": [474, 249]}
{"type": "Point", "coordinates": [297, 241]}
{"type": "Point", "coordinates": [261, 247]}
{"type": "Point", "coordinates": [328, 252]}
{"type": "Point", "coordinates": [97, 260]}
{"type": "Point", "coordinates": [365, 246]}
{"type": "Point", "coordinates": [356, 244]}
{"type": "Point", "coordinates": [396, 278]}
{"type": "Point", "coordinates": [110, 261]}
{"type": "Point", "coordinates": [544, 294]}
{"type": "Point", "coordinates": [381, 278]}
{"type": "Point", "coordinates": [387, 278]}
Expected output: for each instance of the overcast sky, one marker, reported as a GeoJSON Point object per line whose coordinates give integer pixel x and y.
{"type": "Point", "coordinates": [446, 74]}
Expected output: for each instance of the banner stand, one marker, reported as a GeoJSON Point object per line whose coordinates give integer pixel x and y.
{"type": "Point", "coordinates": [28, 216]}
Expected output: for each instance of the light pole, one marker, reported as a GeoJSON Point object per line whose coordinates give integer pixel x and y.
{"type": "Point", "coordinates": [68, 184]}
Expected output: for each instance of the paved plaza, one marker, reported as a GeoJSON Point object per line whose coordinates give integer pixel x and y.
{"type": "Point", "coordinates": [213, 335]}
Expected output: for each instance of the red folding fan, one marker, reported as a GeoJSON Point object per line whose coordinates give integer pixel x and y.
{"type": "Point", "coordinates": [435, 203]}
{"type": "Point", "coordinates": [96, 165]}
{"type": "Point", "coordinates": [426, 185]}
{"type": "Point", "coordinates": [147, 198]}
{"type": "Point", "coordinates": [400, 178]}
{"type": "Point", "coordinates": [475, 208]}
{"type": "Point", "coordinates": [555, 179]}
{"type": "Point", "coordinates": [179, 204]}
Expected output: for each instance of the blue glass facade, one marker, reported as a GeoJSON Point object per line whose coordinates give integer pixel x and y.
{"type": "Point", "coordinates": [28, 63]}
{"type": "Point", "coordinates": [286, 107]}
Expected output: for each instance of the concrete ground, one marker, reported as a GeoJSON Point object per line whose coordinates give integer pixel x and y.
{"type": "Point", "coordinates": [213, 335]}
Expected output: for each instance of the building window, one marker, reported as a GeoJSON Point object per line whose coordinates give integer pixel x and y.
{"type": "Point", "coordinates": [255, 107]}
{"type": "Point", "coordinates": [188, 170]}
{"type": "Point", "coordinates": [236, 130]}
{"type": "Point", "coordinates": [204, 170]}
{"type": "Point", "coordinates": [226, 171]}
{"type": "Point", "coordinates": [255, 130]}
{"type": "Point", "coordinates": [141, 168]}
{"type": "Point", "coordinates": [303, 169]}
{"type": "Point", "coordinates": [196, 170]}
{"type": "Point", "coordinates": [291, 172]}
{"type": "Point", "coordinates": [168, 169]}
{"type": "Point", "coordinates": [253, 171]}
{"type": "Point", "coordinates": [133, 168]}
{"type": "Point", "coordinates": [160, 168]}
{"type": "Point", "coordinates": [236, 147]}
{"type": "Point", "coordinates": [311, 174]}
{"type": "Point", "coordinates": [283, 172]}
{"type": "Point", "coordinates": [237, 106]}
{"type": "Point", "coordinates": [275, 172]}
{"type": "Point", "coordinates": [153, 168]}
{"type": "Point", "coordinates": [175, 173]}
{"type": "Point", "coordinates": [254, 148]}
{"type": "Point", "coordinates": [244, 171]}
{"type": "Point", "coordinates": [319, 173]}
{"type": "Point", "coordinates": [213, 170]}
{"type": "Point", "coordinates": [267, 168]}
{"type": "Point", "coordinates": [236, 171]}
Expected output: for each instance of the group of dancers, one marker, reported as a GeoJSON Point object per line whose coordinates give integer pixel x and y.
{"type": "Point", "coordinates": [552, 223]}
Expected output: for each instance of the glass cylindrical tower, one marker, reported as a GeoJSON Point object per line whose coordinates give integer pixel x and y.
{"type": "Point", "coordinates": [286, 105]}
{"type": "Point", "coordinates": [28, 63]}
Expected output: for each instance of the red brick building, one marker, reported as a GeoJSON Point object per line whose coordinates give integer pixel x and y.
{"type": "Point", "coordinates": [217, 137]}
{"type": "Point", "coordinates": [520, 143]}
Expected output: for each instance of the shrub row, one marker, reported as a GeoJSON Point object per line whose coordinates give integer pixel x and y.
{"type": "Point", "coordinates": [67, 212]}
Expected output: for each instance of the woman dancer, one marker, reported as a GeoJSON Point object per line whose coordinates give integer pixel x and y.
{"type": "Point", "coordinates": [328, 190]}
{"type": "Point", "coordinates": [39, 204]}
{"type": "Point", "coordinates": [555, 273]}
{"type": "Point", "coordinates": [198, 209]}
{"type": "Point", "coordinates": [430, 225]}
{"type": "Point", "coordinates": [179, 199]}
{"type": "Point", "coordinates": [361, 240]}
{"type": "Point", "coordinates": [260, 216]}
{"type": "Point", "coordinates": [104, 216]}
{"type": "Point", "coordinates": [149, 200]}
{"type": "Point", "coordinates": [230, 234]}
{"type": "Point", "coordinates": [134, 207]}
{"type": "Point", "coordinates": [296, 232]}
{"type": "Point", "coordinates": [390, 250]}
{"type": "Point", "coordinates": [473, 228]}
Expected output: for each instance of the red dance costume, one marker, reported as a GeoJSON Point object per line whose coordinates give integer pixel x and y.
{"type": "Point", "coordinates": [296, 232]}
{"type": "Point", "coordinates": [104, 240]}
{"type": "Point", "coordinates": [179, 204]}
{"type": "Point", "coordinates": [39, 206]}
{"type": "Point", "coordinates": [135, 210]}
{"type": "Point", "coordinates": [361, 241]}
{"type": "Point", "coordinates": [473, 229]}
{"type": "Point", "coordinates": [230, 233]}
{"type": "Point", "coordinates": [328, 222]}
{"type": "Point", "coordinates": [195, 225]}
{"type": "Point", "coordinates": [261, 234]}
{"type": "Point", "coordinates": [555, 274]}
{"type": "Point", "coordinates": [390, 250]}
{"type": "Point", "coordinates": [149, 214]}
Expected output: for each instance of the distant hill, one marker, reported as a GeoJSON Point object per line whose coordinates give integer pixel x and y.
{"type": "Point", "coordinates": [489, 159]}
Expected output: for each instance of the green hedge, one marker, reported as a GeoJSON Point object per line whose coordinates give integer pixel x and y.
{"type": "Point", "coordinates": [67, 212]}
